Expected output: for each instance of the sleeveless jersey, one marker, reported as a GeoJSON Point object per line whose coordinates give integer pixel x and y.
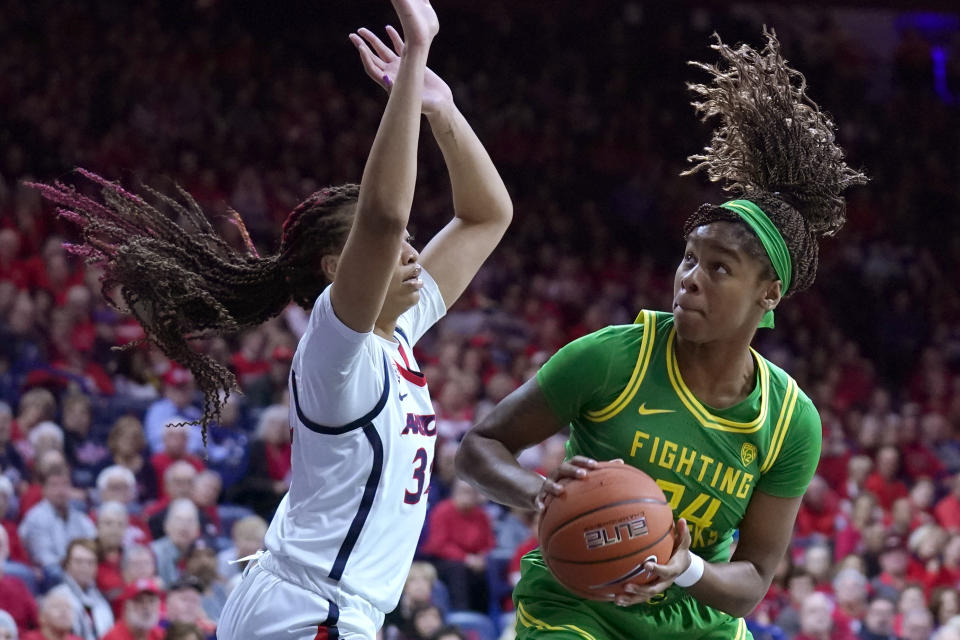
{"type": "Point", "coordinates": [622, 391]}
{"type": "Point", "coordinates": [363, 441]}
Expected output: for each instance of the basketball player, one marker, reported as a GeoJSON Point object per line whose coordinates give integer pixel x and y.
{"type": "Point", "coordinates": [343, 538]}
{"type": "Point", "coordinates": [728, 436]}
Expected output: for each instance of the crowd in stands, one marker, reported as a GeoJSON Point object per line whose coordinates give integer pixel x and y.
{"type": "Point", "coordinates": [118, 522]}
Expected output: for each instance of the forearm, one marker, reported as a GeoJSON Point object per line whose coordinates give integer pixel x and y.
{"type": "Point", "coordinates": [479, 195]}
{"type": "Point", "coordinates": [386, 190]}
{"type": "Point", "coordinates": [733, 587]}
{"type": "Point", "coordinates": [488, 464]}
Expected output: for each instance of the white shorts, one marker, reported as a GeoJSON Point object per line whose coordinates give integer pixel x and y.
{"type": "Point", "coordinates": [268, 605]}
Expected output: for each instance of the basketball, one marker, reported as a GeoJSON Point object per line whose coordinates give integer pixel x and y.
{"type": "Point", "coordinates": [596, 537]}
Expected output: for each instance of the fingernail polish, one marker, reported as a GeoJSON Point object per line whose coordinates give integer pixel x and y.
{"type": "Point", "coordinates": [386, 79]}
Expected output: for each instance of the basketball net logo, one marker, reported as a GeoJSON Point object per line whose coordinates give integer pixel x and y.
{"type": "Point", "coordinates": [748, 453]}
{"type": "Point", "coordinates": [603, 537]}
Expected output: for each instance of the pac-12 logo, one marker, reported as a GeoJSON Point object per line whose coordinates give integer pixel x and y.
{"type": "Point", "coordinates": [748, 453]}
{"type": "Point", "coordinates": [612, 533]}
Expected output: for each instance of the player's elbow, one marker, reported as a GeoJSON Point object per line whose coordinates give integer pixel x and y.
{"type": "Point", "coordinates": [465, 460]}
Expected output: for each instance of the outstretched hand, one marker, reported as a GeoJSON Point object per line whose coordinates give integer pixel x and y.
{"type": "Point", "coordinates": [664, 574]}
{"type": "Point", "coordinates": [418, 19]}
{"type": "Point", "coordinates": [382, 64]}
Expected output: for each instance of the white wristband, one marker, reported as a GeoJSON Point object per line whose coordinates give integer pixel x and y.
{"type": "Point", "coordinates": [693, 573]}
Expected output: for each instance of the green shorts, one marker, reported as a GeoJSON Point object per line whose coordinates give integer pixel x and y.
{"type": "Point", "coordinates": [546, 609]}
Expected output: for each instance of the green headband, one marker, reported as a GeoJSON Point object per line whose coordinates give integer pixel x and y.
{"type": "Point", "coordinates": [772, 242]}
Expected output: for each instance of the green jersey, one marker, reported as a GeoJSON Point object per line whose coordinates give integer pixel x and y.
{"type": "Point", "coordinates": [622, 392]}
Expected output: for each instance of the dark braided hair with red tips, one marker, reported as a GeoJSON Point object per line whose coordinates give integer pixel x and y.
{"type": "Point", "coordinates": [775, 148]}
{"type": "Point", "coordinates": [182, 281]}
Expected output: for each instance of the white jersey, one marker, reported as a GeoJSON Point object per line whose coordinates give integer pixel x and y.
{"type": "Point", "coordinates": [364, 432]}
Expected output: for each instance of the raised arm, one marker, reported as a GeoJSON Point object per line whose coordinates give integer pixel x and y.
{"type": "Point", "coordinates": [481, 204]}
{"type": "Point", "coordinates": [372, 249]}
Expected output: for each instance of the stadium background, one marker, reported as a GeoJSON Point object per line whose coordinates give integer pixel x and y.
{"type": "Point", "coordinates": [583, 108]}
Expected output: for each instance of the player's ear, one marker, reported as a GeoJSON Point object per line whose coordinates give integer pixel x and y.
{"type": "Point", "coordinates": [329, 265]}
{"type": "Point", "coordinates": [770, 295]}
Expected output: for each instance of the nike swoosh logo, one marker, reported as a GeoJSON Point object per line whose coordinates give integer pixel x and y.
{"type": "Point", "coordinates": [403, 395]}
{"type": "Point", "coordinates": [642, 410]}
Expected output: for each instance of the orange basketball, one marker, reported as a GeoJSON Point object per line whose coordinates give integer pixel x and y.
{"type": "Point", "coordinates": [597, 535]}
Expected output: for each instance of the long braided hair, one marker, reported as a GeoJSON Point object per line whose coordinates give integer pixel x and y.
{"type": "Point", "coordinates": [774, 147]}
{"type": "Point", "coordinates": [182, 281]}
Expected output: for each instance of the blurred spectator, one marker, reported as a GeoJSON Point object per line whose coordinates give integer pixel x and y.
{"type": "Point", "coordinates": [816, 619]}
{"type": "Point", "coordinates": [182, 527]}
{"type": "Point", "coordinates": [268, 476]}
{"type": "Point", "coordinates": [92, 614]}
{"type": "Point", "coordinates": [819, 510]}
{"type": "Point", "coordinates": [53, 523]}
{"type": "Point", "coordinates": [207, 488]}
{"type": "Point", "coordinates": [200, 565]}
{"type": "Point", "coordinates": [16, 599]}
{"type": "Point", "coordinates": [425, 620]}
{"type": "Point", "coordinates": [894, 562]}
{"type": "Point", "coordinates": [112, 529]}
{"type": "Point", "coordinates": [176, 405]}
{"type": "Point", "coordinates": [56, 618]}
{"type": "Point", "coordinates": [178, 482]}
{"type": "Point", "coordinates": [36, 405]}
{"type": "Point", "coordinates": [184, 604]}
{"type": "Point", "coordinates": [127, 445]}
{"type": "Point", "coordinates": [8, 628]}
{"type": "Point", "coordinates": [12, 464]}
{"type": "Point", "coordinates": [851, 589]}
{"type": "Point", "coordinates": [944, 605]}
{"type": "Point", "coordinates": [272, 387]}
{"type": "Point", "coordinates": [85, 454]}
{"type": "Point", "coordinates": [917, 625]}
{"type": "Point", "coordinates": [141, 612]}
{"type": "Point", "coordinates": [174, 450]}
{"type": "Point", "coordinates": [878, 623]}
{"type": "Point", "coordinates": [17, 552]}
{"type": "Point", "coordinates": [247, 536]}
{"type": "Point", "coordinates": [138, 563]}
{"type": "Point", "coordinates": [417, 591]}
{"type": "Point", "coordinates": [459, 539]}
{"type": "Point", "coordinates": [911, 598]}
{"type": "Point", "coordinates": [799, 585]}
{"type": "Point", "coordinates": [117, 484]}
{"type": "Point", "coordinates": [884, 483]}
{"type": "Point", "coordinates": [947, 510]}
{"type": "Point", "coordinates": [818, 562]}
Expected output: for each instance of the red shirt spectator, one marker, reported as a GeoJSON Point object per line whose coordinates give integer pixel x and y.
{"type": "Point", "coordinates": [819, 510]}
{"type": "Point", "coordinates": [455, 532]}
{"type": "Point", "coordinates": [141, 612]}
{"type": "Point", "coordinates": [883, 482]}
{"type": "Point", "coordinates": [947, 510]}
{"type": "Point", "coordinates": [18, 602]}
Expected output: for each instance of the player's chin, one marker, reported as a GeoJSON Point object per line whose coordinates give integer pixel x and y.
{"type": "Point", "coordinates": [691, 325]}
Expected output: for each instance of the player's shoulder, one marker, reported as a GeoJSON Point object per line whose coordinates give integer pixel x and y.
{"type": "Point", "coordinates": [785, 386]}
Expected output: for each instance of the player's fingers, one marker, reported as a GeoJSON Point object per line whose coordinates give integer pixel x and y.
{"type": "Point", "coordinates": [395, 39]}
{"type": "Point", "coordinates": [683, 535]}
{"type": "Point", "coordinates": [382, 50]}
{"type": "Point", "coordinates": [551, 488]}
{"type": "Point", "coordinates": [570, 470]}
{"type": "Point", "coordinates": [372, 64]}
{"type": "Point", "coordinates": [583, 461]}
{"type": "Point", "coordinates": [617, 461]}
